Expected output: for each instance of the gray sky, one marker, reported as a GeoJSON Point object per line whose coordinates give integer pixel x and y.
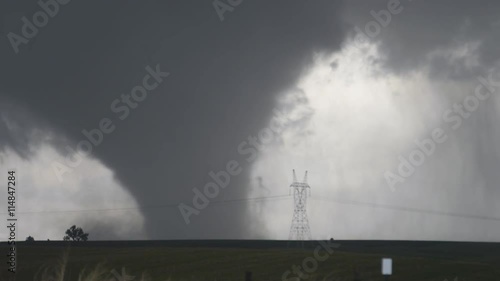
{"type": "Point", "coordinates": [351, 109]}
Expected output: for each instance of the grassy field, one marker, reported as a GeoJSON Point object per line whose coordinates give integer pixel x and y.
{"type": "Point", "coordinates": [267, 260]}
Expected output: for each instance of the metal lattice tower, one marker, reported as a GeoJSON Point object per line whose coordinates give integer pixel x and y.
{"type": "Point", "coordinates": [300, 224]}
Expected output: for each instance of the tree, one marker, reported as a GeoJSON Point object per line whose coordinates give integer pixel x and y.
{"type": "Point", "coordinates": [30, 239]}
{"type": "Point", "coordinates": [75, 234]}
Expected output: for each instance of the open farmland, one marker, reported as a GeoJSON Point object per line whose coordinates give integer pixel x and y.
{"type": "Point", "coordinates": [267, 260]}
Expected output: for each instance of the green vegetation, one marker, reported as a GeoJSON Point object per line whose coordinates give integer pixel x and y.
{"type": "Point", "coordinates": [75, 234]}
{"type": "Point", "coordinates": [69, 263]}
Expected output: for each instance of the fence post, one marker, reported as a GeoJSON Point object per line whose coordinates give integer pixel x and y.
{"type": "Point", "coordinates": [248, 276]}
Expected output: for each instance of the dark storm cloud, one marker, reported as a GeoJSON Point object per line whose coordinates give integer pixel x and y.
{"type": "Point", "coordinates": [424, 26]}
{"type": "Point", "coordinates": [418, 38]}
{"type": "Point", "coordinates": [224, 80]}
{"type": "Point", "coordinates": [19, 129]}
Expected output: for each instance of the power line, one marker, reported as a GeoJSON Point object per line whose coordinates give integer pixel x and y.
{"type": "Point", "coordinates": [279, 197]}
{"type": "Point", "coordinates": [153, 206]}
{"type": "Point", "coordinates": [408, 209]}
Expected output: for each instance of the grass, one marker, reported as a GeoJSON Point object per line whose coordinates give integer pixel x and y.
{"type": "Point", "coordinates": [44, 262]}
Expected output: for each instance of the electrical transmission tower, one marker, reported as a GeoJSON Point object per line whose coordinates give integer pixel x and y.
{"type": "Point", "coordinates": [300, 224]}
